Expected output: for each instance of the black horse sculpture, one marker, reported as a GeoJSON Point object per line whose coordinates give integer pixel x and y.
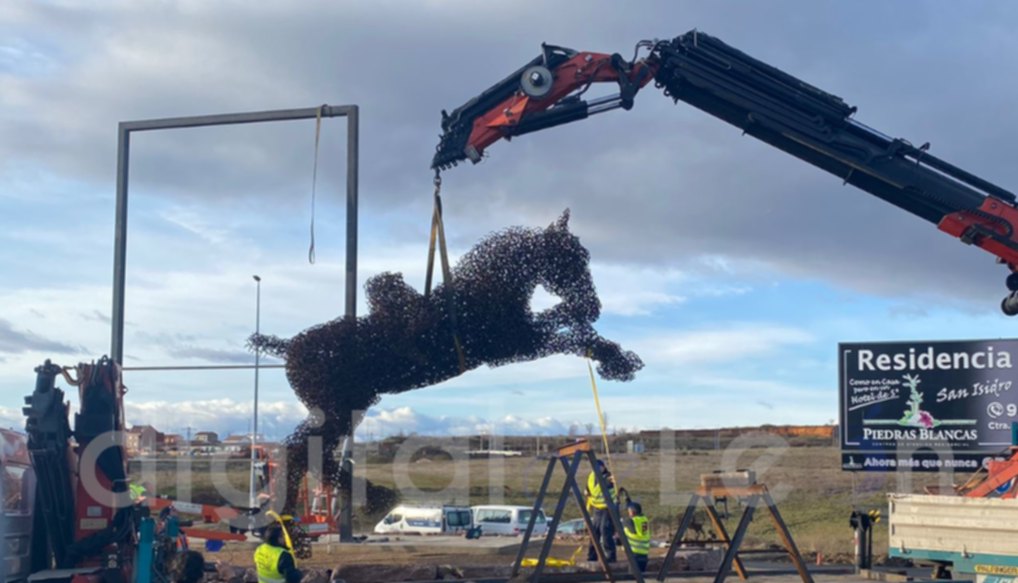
{"type": "Point", "coordinates": [407, 340]}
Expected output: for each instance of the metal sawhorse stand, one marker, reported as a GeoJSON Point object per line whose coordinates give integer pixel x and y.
{"type": "Point", "coordinates": [741, 485]}
{"type": "Point", "coordinates": [570, 457]}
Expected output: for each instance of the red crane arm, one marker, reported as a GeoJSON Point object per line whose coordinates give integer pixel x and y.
{"type": "Point", "coordinates": [542, 94]}
{"type": "Point", "coordinates": [579, 72]}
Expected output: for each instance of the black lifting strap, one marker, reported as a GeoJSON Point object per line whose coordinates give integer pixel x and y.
{"type": "Point", "coordinates": [438, 233]}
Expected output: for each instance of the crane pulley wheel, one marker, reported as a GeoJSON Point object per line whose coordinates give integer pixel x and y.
{"type": "Point", "coordinates": [536, 81]}
{"type": "Point", "coordinates": [1012, 281]}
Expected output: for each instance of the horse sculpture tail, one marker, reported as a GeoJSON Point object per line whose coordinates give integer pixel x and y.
{"type": "Point", "coordinates": [269, 344]}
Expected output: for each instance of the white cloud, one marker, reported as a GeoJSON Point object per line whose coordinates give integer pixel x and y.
{"type": "Point", "coordinates": [765, 402]}
{"type": "Point", "coordinates": [276, 419]}
{"type": "Point", "coordinates": [631, 290]}
{"type": "Point", "coordinates": [11, 419]}
{"type": "Point", "coordinates": [768, 390]}
{"type": "Point", "coordinates": [406, 420]}
{"type": "Point", "coordinates": [628, 289]}
{"type": "Point", "coordinates": [725, 344]}
{"type": "Point", "coordinates": [13, 341]}
{"type": "Point", "coordinates": [193, 221]}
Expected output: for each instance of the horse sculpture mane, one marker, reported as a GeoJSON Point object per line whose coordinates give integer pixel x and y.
{"type": "Point", "coordinates": [406, 341]}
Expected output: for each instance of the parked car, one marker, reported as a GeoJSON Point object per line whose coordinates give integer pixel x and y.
{"type": "Point", "coordinates": [508, 520]}
{"type": "Point", "coordinates": [574, 527]}
{"type": "Point", "coordinates": [406, 519]}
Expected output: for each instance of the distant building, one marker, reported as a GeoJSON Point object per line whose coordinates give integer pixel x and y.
{"type": "Point", "coordinates": [174, 442]}
{"type": "Point", "coordinates": [205, 438]}
{"type": "Point", "coordinates": [206, 444]}
{"type": "Point", "coordinates": [235, 445]}
{"type": "Point", "coordinates": [144, 440]}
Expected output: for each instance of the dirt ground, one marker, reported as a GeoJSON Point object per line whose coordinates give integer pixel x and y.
{"type": "Point", "coordinates": [327, 556]}
{"type": "Point", "coordinates": [374, 563]}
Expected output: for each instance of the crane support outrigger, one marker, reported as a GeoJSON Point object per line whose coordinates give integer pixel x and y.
{"type": "Point", "coordinates": [762, 101]}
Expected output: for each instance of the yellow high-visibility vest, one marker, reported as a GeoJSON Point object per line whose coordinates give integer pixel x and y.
{"type": "Point", "coordinates": [639, 537]}
{"type": "Point", "coordinates": [137, 491]}
{"type": "Point", "coordinates": [594, 498]}
{"type": "Point", "coordinates": [266, 560]}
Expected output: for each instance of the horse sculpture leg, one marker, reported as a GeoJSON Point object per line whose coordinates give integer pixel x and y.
{"type": "Point", "coordinates": [613, 363]}
{"type": "Point", "coordinates": [292, 470]}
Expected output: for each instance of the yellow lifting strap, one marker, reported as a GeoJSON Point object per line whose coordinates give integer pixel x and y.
{"type": "Point", "coordinates": [600, 418]}
{"type": "Point", "coordinates": [438, 232]}
{"type": "Point", "coordinates": [553, 562]}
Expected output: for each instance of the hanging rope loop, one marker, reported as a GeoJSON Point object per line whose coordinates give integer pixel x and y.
{"type": "Point", "coordinates": [314, 183]}
{"type": "Point", "coordinates": [438, 236]}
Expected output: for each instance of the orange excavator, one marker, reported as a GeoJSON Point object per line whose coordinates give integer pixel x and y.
{"type": "Point", "coordinates": [758, 99]}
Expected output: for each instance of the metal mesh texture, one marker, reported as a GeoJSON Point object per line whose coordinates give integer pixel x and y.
{"type": "Point", "coordinates": [406, 341]}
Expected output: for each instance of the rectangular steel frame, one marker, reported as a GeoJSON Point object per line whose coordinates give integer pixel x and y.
{"type": "Point", "coordinates": [126, 128]}
{"type": "Point", "coordinates": [124, 131]}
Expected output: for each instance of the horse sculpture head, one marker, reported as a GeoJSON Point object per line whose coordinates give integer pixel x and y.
{"type": "Point", "coordinates": [565, 273]}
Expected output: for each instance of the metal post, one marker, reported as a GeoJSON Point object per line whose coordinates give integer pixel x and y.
{"type": "Point", "coordinates": [253, 502]}
{"type": "Point", "coordinates": [352, 138]}
{"type": "Point", "coordinates": [869, 547]}
{"type": "Point", "coordinates": [120, 243]}
{"type": "Point", "coordinates": [352, 163]}
{"type": "Point", "coordinates": [687, 518]}
{"type": "Point", "coordinates": [538, 504]}
{"type": "Point", "coordinates": [722, 532]}
{"type": "Point", "coordinates": [789, 542]}
{"type": "Point", "coordinates": [549, 537]}
{"type": "Point", "coordinates": [740, 532]}
{"type": "Point", "coordinates": [858, 541]}
{"type": "Point", "coordinates": [143, 556]}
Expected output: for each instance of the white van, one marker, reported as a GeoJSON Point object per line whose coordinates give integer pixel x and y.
{"type": "Point", "coordinates": [508, 520]}
{"type": "Point", "coordinates": [405, 519]}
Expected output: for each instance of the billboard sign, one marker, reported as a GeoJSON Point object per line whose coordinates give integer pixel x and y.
{"type": "Point", "coordinates": [926, 406]}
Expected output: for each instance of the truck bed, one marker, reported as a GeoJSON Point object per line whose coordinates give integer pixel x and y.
{"type": "Point", "coordinates": [975, 536]}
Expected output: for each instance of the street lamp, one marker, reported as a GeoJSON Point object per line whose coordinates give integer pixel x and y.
{"type": "Point", "coordinates": [254, 432]}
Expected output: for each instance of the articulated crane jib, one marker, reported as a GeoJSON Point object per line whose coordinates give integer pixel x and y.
{"type": "Point", "coordinates": [762, 101]}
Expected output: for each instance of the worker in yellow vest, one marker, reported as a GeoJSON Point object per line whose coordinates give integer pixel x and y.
{"type": "Point", "coordinates": [273, 561]}
{"type": "Point", "coordinates": [597, 503]}
{"type": "Point", "coordinates": [137, 492]}
{"type": "Point", "coordinates": [637, 529]}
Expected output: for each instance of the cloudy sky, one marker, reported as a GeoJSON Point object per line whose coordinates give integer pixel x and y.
{"type": "Point", "coordinates": [730, 267]}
